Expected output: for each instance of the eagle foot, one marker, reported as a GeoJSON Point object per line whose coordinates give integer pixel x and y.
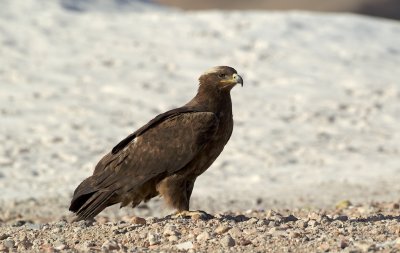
{"type": "Point", "coordinates": [194, 215]}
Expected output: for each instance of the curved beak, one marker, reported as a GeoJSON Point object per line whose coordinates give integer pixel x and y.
{"type": "Point", "coordinates": [238, 79]}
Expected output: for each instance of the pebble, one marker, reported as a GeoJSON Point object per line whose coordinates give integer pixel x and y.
{"type": "Point", "coordinates": [275, 231]}
{"type": "Point", "coordinates": [60, 247]}
{"type": "Point", "coordinates": [173, 238]}
{"type": "Point", "coordinates": [4, 236]}
{"type": "Point", "coordinates": [170, 230]}
{"type": "Point", "coordinates": [138, 220]}
{"type": "Point", "coordinates": [343, 204]}
{"type": "Point", "coordinates": [227, 241]}
{"type": "Point", "coordinates": [252, 220]}
{"type": "Point", "coordinates": [9, 243]}
{"type": "Point", "coordinates": [184, 245]}
{"type": "Point", "coordinates": [290, 218]}
{"type": "Point", "coordinates": [203, 236]}
{"type": "Point", "coordinates": [153, 238]}
{"type": "Point", "coordinates": [110, 245]}
{"type": "Point", "coordinates": [221, 229]}
{"type": "Point", "coordinates": [235, 232]}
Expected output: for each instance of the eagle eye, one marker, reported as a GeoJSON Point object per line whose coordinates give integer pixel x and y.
{"type": "Point", "coordinates": [222, 75]}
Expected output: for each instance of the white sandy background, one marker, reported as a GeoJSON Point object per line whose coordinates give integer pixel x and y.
{"type": "Point", "coordinates": [318, 119]}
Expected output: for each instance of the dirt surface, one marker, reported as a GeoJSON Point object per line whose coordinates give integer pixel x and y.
{"type": "Point", "coordinates": [345, 228]}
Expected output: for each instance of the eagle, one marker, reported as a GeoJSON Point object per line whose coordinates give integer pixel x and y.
{"type": "Point", "coordinates": [165, 156]}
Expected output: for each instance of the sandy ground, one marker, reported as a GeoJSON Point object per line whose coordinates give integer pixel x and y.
{"type": "Point", "coordinates": [347, 228]}
{"type": "Point", "coordinates": [316, 123]}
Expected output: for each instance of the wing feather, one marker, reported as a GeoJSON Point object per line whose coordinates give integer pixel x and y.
{"type": "Point", "coordinates": [162, 147]}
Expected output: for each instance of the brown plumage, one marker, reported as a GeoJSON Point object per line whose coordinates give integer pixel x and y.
{"type": "Point", "coordinates": [165, 156]}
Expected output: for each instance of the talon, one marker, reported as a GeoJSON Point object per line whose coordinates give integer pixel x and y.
{"type": "Point", "coordinates": [195, 215]}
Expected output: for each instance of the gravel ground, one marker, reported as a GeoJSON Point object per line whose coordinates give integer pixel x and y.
{"type": "Point", "coordinates": [349, 228]}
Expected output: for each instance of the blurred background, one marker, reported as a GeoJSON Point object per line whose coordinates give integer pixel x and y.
{"type": "Point", "coordinates": [379, 8]}
{"type": "Point", "coordinates": [316, 122]}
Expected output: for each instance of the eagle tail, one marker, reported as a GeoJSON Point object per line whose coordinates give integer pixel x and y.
{"type": "Point", "coordinates": [94, 204]}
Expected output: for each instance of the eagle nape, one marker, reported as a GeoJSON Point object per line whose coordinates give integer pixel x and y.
{"type": "Point", "coordinates": [165, 156]}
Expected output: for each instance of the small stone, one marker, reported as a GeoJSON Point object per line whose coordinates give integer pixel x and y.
{"type": "Point", "coordinates": [153, 239]}
{"type": "Point", "coordinates": [47, 248]}
{"type": "Point", "coordinates": [324, 247]}
{"type": "Point", "coordinates": [102, 220]}
{"type": "Point", "coordinates": [396, 206]}
{"type": "Point", "coordinates": [294, 234]}
{"type": "Point", "coordinates": [364, 246]}
{"type": "Point", "coordinates": [312, 223]}
{"type": "Point", "coordinates": [252, 220]}
{"type": "Point", "coordinates": [244, 242]}
{"type": "Point", "coordinates": [138, 220]}
{"type": "Point", "coordinates": [203, 236]}
{"type": "Point", "coordinates": [341, 218]}
{"type": "Point", "coordinates": [173, 238]}
{"type": "Point", "coordinates": [170, 230]}
{"type": "Point", "coordinates": [24, 243]}
{"type": "Point", "coordinates": [227, 241]}
{"type": "Point", "coordinates": [60, 247]}
{"type": "Point", "coordinates": [185, 245]}
{"type": "Point", "coordinates": [19, 223]}
{"type": "Point", "coordinates": [56, 230]}
{"type": "Point", "coordinates": [343, 244]}
{"type": "Point", "coordinates": [302, 223]}
{"type": "Point", "coordinates": [343, 204]}
{"type": "Point", "coordinates": [221, 229]}
{"type": "Point", "coordinates": [110, 245]}
{"type": "Point", "coordinates": [263, 222]}
{"type": "Point", "coordinates": [235, 232]}
{"type": "Point", "coordinates": [289, 218]}
{"type": "Point", "coordinates": [4, 236]}
{"type": "Point", "coordinates": [275, 231]}
{"type": "Point", "coordinates": [9, 243]}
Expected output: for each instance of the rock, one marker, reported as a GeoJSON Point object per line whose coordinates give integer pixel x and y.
{"type": "Point", "coordinates": [235, 232]}
{"type": "Point", "coordinates": [19, 223]}
{"type": "Point", "coordinates": [153, 239]}
{"type": "Point", "coordinates": [173, 238]}
{"type": "Point", "coordinates": [343, 244]}
{"type": "Point", "coordinates": [138, 220]}
{"type": "Point", "coordinates": [110, 245]}
{"type": "Point", "coordinates": [312, 223]}
{"type": "Point", "coordinates": [4, 236]}
{"type": "Point", "coordinates": [103, 220]}
{"type": "Point", "coordinates": [9, 243]}
{"type": "Point", "coordinates": [294, 234]}
{"type": "Point", "coordinates": [289, 218]}
{"type": "Point", "coordinates": [244, 242]}
{"type": "Point", "coordinates": [203, 236]}
{"type": "Point", "coordinates": [343, 204]}
{"type": "Point", "coordinates": [364, 246]}
{"type": "Point", "coordinates": [302, 223]}
{"type": "Point", "coordinates": [341, 218]}
{"type": "Point", "coordinates": [60, 247]}
{"type": "Point", "coordinates": [275, 231]}
{"type": "Point", "coordinates": [252, 220]}
{"type": "Point", "coordinates": [24, 244]}
{"type": "Point", "coordinates": [221, 229]}
{"type": "Point", "coordinates": [184, 245]}
{"type": "Point", "coordinates": [170, 230]}
{"type": "Point", "coordinates": [227, 241]}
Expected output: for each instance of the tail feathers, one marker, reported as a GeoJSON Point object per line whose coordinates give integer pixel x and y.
{"type": "Point", "coordinates": [96, 202]}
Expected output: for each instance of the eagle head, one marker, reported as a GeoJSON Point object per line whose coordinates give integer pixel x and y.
{"type": "Point", "coordinates": [221, 77]}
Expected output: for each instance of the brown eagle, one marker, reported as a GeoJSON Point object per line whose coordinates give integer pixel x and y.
{"type": "Point", "coordinates": [165, 156]}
